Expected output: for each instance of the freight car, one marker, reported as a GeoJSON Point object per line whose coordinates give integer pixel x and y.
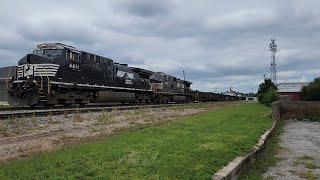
{"type": "Point", "coordinates": [56, 73]}
{"type": "Point", "coordinates": [207, 96]}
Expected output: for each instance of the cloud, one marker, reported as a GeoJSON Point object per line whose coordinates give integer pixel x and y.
{"type": "Point", "coordinates": [218, 44]}
{"type": "Point", "coordinates": [144, 8]}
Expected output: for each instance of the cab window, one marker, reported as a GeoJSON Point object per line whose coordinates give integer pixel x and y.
{"type": "Point", "coordinates": [53, 52]}
{"type": "Point", "coordinates": [72, 56]}
{"type": "Point", "coordinates": [38, 52]}
{"type": "Point", "coordinates": [49, 52]}
{"type": "Point", "coordinates": [91, 57]}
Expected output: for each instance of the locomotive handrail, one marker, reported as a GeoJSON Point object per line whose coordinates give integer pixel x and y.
{"type": "Point", "coordinates": [48, 81]}
{"type": "Point", "coordinates": [7, 80]}
{"type": "Point", "coordinates": [41, 87]}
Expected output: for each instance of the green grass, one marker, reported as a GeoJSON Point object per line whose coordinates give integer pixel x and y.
{"type": "Point", "coordinates": [268, 158]}
{"type": "Point", "coordinates": [306, 161]}
{"type": "Point", "coordinates": [308, 175]}
{"type": "Point", "coordinates": [305, 157]}
{"type": "Point", "coordinates": [202, 105]}
{"type": "Point", "coordinates": [310, 165]}
{"type": "Point", "coordinates": [193, 148]}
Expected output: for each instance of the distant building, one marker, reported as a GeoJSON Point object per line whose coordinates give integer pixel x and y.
{"type": "Point", "coordinates": [233, 95]}
{"type": "Point", "coordinates": [251, 98]}
{"type": "Point", "coordinates": [229, 93]}
{"type": "Point", "coordinates": [290, 91]}
{"type": "Point", "coordinates": [5, 73]}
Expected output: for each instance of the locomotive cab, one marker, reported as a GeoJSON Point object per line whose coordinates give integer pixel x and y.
{"type": "Point", "coordinates": [37, 71]}
{"type": "Point", "coordinates": [48, 61]}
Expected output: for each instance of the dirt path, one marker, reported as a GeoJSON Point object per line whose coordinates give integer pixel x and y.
{"type": "Point", "coordinates": [300, 156]}
{"type": "Point", "coordinates": [21, 137]}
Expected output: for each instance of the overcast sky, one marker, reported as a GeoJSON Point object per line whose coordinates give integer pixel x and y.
{"type": "Point", "coordinates": [219, 44]}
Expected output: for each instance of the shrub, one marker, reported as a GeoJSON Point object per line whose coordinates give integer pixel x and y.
{"type": "Point", "coordinates": [311, 92]}
{"type": "Point", "coordinates": [269, 97]}
{"type": "Point", "coordinates": [267, 92]}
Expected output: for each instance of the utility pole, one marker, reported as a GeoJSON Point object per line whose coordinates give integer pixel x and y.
{"type": "Point", "coordinates": [252, 93]}
{"type": "Point", "coordinates": [184, 77]}
{"type": "Point", "coordinates": [264, 76]}
{"type": "Point", "coordinates": [273, 69]}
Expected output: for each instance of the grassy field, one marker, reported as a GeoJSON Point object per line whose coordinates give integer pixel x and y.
{"type": "Point", "coordinates": [268, 158]}
{"type": "Point", "coordinates": [192, 148]}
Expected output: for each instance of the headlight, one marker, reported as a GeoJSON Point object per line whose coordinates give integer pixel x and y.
{"type": "Point", "coordinates": [28, 77]}
{"type": "Point", "coordinates": [10, 78]}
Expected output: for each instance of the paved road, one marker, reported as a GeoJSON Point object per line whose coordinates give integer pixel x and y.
{"type": "Point", "coordinates": [300, 156]}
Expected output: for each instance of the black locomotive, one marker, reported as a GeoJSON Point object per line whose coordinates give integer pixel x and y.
{"type": "Point", "coordinates": [56, 73]}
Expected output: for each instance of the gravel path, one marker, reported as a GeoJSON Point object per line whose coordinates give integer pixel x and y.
{"type": "Point", "coordinates": [300, 155]}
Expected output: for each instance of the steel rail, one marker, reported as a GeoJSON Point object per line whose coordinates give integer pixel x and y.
{"type": "Point", "coordinates": [10, 108]}
{"type": "Point", "coordinates": [44, 112]}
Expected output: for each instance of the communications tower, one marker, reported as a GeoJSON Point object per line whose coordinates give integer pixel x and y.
{"type": "Point", "coordinates": [273, 49]}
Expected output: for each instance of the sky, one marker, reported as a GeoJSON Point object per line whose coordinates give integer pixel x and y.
{"type": "Point", "coordinates": [219, 44]}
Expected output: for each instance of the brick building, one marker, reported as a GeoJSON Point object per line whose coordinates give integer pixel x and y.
{"type": "Point", "coordinates": [290, 91]}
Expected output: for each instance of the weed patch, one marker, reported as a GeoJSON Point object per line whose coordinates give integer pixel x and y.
{"type": "Point", "coordinates": [65, 114]}
{"type": "Point", "coordinates": [77, 116]}
{"type": "Point", "coordinates": [104, 117]}
{"type": "Point", "coordinates": [310, 165]}
{"type": "Point", "coordinates": [308, 175]}
{"type": "Point", "coordinates": [305, 157]}
{"type": "Point", "coordinates": [4, 130]}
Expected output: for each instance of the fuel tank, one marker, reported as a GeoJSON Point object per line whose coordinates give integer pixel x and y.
{"type": "Point", "coordinates": [107, 96]}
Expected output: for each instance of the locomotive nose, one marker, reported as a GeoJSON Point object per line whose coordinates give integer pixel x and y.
{"type": "Point", "coordinates": [24, 60]}
{"type": "Point", "coordinates": [33, 59]}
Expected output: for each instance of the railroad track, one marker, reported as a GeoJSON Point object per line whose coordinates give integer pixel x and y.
{"type": "Point", "coordinates": [27, 112]}
{"type": "Point", "coordinates": [9, 108]}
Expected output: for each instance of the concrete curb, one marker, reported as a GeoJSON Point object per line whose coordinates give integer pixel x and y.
{"type": "Point", "coordinates": [239, 164]}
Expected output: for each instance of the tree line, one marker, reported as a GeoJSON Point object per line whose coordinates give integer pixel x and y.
{"type": "Point", "coordinates": [267, 92]}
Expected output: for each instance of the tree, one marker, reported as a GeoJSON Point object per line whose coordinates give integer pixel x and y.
{"type": "Point", "coordinates": [270, 97]}
{"type": "Point", "coordinates": [265, 86]}
{"type": "Point", "coordinates": [311, 92]}
{"type": "Point", "coordinates": [267, 92]}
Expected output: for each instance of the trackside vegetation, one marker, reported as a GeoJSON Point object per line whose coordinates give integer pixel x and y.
{"type": "Point", "coordinates": [194, 147]}
{"type": "Point", "coordinates": [268, 158]}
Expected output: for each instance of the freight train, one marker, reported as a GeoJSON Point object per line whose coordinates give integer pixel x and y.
{"type": "Point", "coordinates": [56, 73]}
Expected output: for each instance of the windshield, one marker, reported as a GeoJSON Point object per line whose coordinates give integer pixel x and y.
{"type": "Point", "coordinates": [49, 52]}
{"type": "Point", "coordinates": [39, 52]}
